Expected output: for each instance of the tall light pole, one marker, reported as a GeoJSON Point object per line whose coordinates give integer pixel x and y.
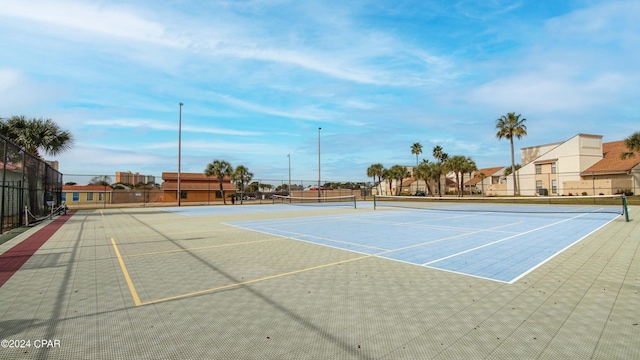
{"type": "Point", "coordinates": [179, 151]}
{"type": "Point", "coordinates": [289, 156]}
{"type": "Point", "coordinates": [319, 163]}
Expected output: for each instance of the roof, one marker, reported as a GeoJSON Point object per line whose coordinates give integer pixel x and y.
{"type": "Point", "coordinates": [612, 163]}
{"type": "Point", "coordinates": [166, 176]}
{"type": "Point", "coordinates": [487, 172]}
{"type": "Point", "coordinates": [185, 185]}
{"type": "Point", "coordinates": [94, 188]}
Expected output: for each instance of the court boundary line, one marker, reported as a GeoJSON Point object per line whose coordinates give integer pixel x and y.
{"type": "Point", "coordinates": [499, 241]}
{"type": "Point", "coordinates": [138, 302]}
{"type": "Point", "coordinates": [127, 278]}
{"type": "Point", "coordinates": [563, 250]}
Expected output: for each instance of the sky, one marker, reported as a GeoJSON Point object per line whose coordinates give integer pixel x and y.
{"type": "Point", "coordinates": [259, 78]}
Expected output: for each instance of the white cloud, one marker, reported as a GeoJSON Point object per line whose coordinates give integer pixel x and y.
{"type": "Point", "coordinates": [157, 125]}
{"type": "Point", "coordinates": [115, 21]}
{"type": "Point", "coordinates": [308, 113]}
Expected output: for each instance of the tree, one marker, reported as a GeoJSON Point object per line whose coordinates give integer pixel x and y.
{"type": "Point", "coordinates": [633, 145]}
{"type": "Point", "coordinates": [469, 167]}
{"type": "Point", "coordinates": [416, 149]}
{"type": "Point", "coordinates": [37, 134]}
{"type": "Point", "coordinates": [253, 187]}
{"type": "Point", "coordinates": [102, 180]}
{"type": "Point", "coordinates": [388, 176]}
{"type": "Point", "coordinates": [508, 171]}
{"type": "Point", "coordinates": [242, 176]}
{"type": "Point", "coordinates": [376, 170]}
{"type": "Point", "coordinates": [399, 173]}
{"type": "Point", "coordinates": [424, 172]}
{"type": "Point", "coordinates": [441, 156]}
{"type": "Point", "coordinates": [508, 126]}
{"type": "Point", "coordinates": [219, 169]}
{"type": "Point", "coordinates": [456, 164]}
{"type": "Point", "coordinates": [482, 176]}
{"type": "Point", "coordinates": [437, 169]}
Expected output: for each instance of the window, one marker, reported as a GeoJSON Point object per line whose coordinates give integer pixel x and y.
{"type": "Point", "coordinates": [554, 186]}
{"type": "Point", "coordinates": [90, 196]}
{"type": "Point", "coordinates": [75, 197]}
{"type": "Point", "coordinates": [553, 168]}
{"type": "Point", "coordinates": [101, 197]}
{"type": "Point", "coordinates": [64, 197]}
{"type": "Point", "coordinates": [538, 169]}
{"type": "Point", "coordinates": [539, 184]}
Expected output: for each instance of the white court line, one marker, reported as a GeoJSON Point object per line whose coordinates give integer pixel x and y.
{"type": "Point", "coordinates": [502, 240]}
{"type": "Point", "coordinates": [276, 232]}
{"type": "Point", "coordinates": [559, 252]}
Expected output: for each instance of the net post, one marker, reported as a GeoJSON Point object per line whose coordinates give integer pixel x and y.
{"type": "Point", "coordinates": [374, 201]}
{"type": "Point", "coordinates": [355, 206]}
{"type": "Point", "coordinates": [625, 209]}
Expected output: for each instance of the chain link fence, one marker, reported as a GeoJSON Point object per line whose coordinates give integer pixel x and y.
{"type": "Point", "coordinates": [31, 187]}
{"type": "Point", "coordinates": [82, 191]}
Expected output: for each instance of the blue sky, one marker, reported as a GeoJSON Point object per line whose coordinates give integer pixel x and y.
{"type": "Point", "coordinates": [258, 78]}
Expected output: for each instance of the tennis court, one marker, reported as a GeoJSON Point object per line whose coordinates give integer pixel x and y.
{"type": "Point", "coordinates": [326, 281]}
{"type": "Point", "coordinates": [501, 246]}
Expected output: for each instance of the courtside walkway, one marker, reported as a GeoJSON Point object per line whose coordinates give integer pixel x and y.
{"type": "Point", "coordinates": [149, 284]}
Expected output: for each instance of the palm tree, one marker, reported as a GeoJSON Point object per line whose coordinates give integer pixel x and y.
{"type": "Point", "coordinates": [388, 176]}
{"type": "Point", "coordinates": [399, 173]}
{"type": "Point", "coordinates": [633, 144]}
{"type": "Point", "coordinates": [469, 167]}
{"type": "Point", "coordinates": [457, 164]}
{"type": "Point", "coordinates": [482, 176]}
{"type": "Point", "coordinates": [437, 169]}
{"type": "Point", "coordinates": [441, 156]}
{"type": "Point", "coordinates": [219, 169]}
{"type": "Point", "coordinates": [374, 171]}
{"type": "Point", "coordinates": [508, 126]}
{"type": "Point", "coordinates": [242, 176]}
{"type": "Point", "coordinates": [37, 134]}
{"type": "Point", "coordinates": [424, 172]}
{"type": "Point", "coordinates": [34, 135]}
{"type": "Point", "coordinates": [508, 171]}
{"type": "Point", "coordinates": [416, 149]}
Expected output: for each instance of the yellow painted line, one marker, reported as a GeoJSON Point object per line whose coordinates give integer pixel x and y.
{"type": "Point", "coordinates": [132, 289]}
{"type": "Point", "coordinates": [253, 281]}
{"type": "Point", "coordinates": [201, 247]}
{"type": "Point", "coordinates": [182, 296]}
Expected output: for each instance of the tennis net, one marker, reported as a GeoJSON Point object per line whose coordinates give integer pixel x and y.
{"type": "Point", "coordinates": [346, 200]}
{"type": "Point", "coordinates": [552, 204]}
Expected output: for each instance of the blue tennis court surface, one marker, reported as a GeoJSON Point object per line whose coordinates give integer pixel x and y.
{"type": "Point", "coordinates": [247, 209]}
{"type": "Point", "coordinates": [496, 246]}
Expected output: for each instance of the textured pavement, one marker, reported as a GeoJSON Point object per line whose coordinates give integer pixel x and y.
{"type": "Point", "coordinates": [148, 284]}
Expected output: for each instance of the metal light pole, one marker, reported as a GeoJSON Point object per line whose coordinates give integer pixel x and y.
{"type": "Point", "coordinates": [179, 151]}
{"type": "Point", "coordinates": [289, 156]}
{"type": "Point", "coordinates": [319, 163]}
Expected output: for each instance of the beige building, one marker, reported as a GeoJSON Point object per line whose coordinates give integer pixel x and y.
{"type": "Point", "coordinates": [582, 165]}
{"type": "Point", "coordinates": [133, 178]}
{"type": "Point", "coordinates": [488, 181]}
{"type": "Point", "coordinates": [86, 194]}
